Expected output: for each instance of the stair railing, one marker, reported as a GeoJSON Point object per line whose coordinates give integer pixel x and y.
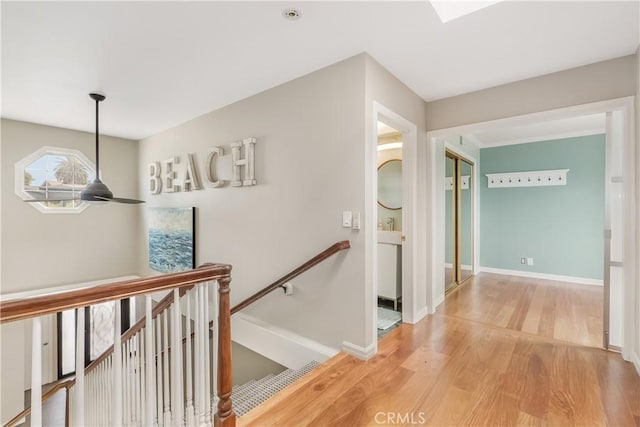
{"type": "Point", "coordinates": [141, 379]}
{"type": "Point", "coordinates": [147, 346]}
{"type": "Point", "coordinates": [280, 283]}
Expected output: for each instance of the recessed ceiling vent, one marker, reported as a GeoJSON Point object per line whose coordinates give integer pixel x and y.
{"type": "Point", "coordinates": [292, 14]}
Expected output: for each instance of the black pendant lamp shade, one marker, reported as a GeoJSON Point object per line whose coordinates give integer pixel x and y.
{"type": "Point", "coordinates": [97, 191]}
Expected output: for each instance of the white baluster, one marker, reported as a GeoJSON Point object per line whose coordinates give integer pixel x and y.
{"type": "Point", "coordinates": [142, 410]}
{"type": "Point", "coordinates": [176, 360]}
{"type": "Point", "coordinates": [197, 356]}
{"type": "Point", "coordinates": [116, 389]}
{"type": "Point", "coordinates": [99, 387]}
{"type": "Point", "coordinates": [207, 355]}
{"type": "Point", "coordinates": [36, 374]}
{"type": "Point", "coordinates": [71, 408]}
{"type": "Point", "coordinates": [159, 379]}
{"type": "Point", "coordinates": [214, 355]}
{"type": "Point", "coordinates": [165, 366]}
{"type": "Point", "coordinates": [189, 394]}
{"type": "Point", "coordinates": [131, 380]}
{"type": "Point", "coordinates": [202, 331]}
{"type": "Point", "coordinates": [127, 385]}
{"type": "Point", "coordinates": [135, 371]}
{"type": "Point", "coordinates": [150, 383]}
{"type": "Point", "coordinates": [126, 395]}
{"type": "Point", "coordinates": [93, 402]}
{"type": "Point", "coordinates": [78, 416]}
{"type": "Point", "coordinates": [89, 398]}
{"type": "Point", "coordinates": [136, 386]}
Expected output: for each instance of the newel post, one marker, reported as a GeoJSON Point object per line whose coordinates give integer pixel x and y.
{"type": "Point", "coordinates": [224, 416]}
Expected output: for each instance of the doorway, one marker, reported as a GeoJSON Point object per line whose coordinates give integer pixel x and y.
{"type": "Point", "coordinates": [389, 226]}
{"type": "Point", "coordinates": [411, 301]}
{"type": "Point", "coordinates": [620, 262]}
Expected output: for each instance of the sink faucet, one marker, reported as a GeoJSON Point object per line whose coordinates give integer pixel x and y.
{"type": "Point", "coordinates": [390, 223]}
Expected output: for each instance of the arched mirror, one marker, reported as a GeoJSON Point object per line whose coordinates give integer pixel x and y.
{"type": "Point", "coordinates": [390, 184]}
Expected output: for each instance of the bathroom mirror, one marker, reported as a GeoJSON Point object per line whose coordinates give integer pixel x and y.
{"type": "Point", "coordinates": [390, 184]}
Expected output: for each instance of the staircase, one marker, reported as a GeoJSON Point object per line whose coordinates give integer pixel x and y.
{"type": "Point", "coordinates": [247, 396]}
{"type": "Point", "coordinates": [163, 370]}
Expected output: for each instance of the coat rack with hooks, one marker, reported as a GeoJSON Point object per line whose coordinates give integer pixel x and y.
{"type": "Point", "coordinates": [527, 179]}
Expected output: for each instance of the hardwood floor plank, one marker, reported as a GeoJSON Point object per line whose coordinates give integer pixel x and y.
{"type": "Point", "coordinates": [364, 399]}
{"type": "Point", "coordinates": [490, 356]}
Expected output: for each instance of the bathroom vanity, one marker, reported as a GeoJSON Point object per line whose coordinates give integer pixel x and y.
{"type": "Point", "coordinates": [390, 266]}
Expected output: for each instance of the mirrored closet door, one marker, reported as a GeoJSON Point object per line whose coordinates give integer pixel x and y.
{"type": "Point", "coordinates": [459, 219]}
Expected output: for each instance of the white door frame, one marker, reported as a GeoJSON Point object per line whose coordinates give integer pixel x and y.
{"type": "Point", "coordinates": [625, 105]}
{"type": "Point", "coordinates": [409, 215]}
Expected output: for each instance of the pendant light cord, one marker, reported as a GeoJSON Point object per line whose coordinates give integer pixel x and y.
{"type": "Point", "coordinates": [97, 144]}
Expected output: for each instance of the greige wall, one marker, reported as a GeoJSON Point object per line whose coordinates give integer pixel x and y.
{"type": "Point", "coordinates": [610, 79]}
{"type": "Point", "coordinates": [309, 168]}
{"type": "Point", "coordinates": [47, 250]}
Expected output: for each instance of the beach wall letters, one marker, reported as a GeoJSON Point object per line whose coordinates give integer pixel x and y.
{"type": "Point", "coordinates": [170, 176]}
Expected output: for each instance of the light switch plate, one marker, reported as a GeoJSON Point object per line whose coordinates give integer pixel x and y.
{"type": "Point", "coordinates": [355, 223]}
{"type": "Point", "coordinates": [346, 219]}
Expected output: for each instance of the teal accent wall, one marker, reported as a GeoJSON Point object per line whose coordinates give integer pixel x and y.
{"type": "Point", "coordinates": [560, 227]}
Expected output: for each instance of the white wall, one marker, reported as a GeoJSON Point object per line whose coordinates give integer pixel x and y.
{"type": "Point", "coordinates": [309, 168]}
{"type": "Point", "coordinates": [47, 250]}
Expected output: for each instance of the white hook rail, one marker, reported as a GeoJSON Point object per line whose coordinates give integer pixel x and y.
{"type": "Point", "coordinates": [527, 179]}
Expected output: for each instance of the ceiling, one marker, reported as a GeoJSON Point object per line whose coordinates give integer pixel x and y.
{"type": "Point", "coordinates": [163, 63]}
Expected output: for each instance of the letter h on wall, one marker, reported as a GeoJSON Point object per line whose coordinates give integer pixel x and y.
{"type": "Point", "coordinates": [248, 162]}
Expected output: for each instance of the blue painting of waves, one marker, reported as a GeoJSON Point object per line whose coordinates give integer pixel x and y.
{"type": "Point", "coordinates": [171, 239]}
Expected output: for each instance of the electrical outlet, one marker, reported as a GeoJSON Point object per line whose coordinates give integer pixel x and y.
{"type": "Point", "coordinates": [523, 261]}
{"type": "Point", "coordinates": [529, 261]}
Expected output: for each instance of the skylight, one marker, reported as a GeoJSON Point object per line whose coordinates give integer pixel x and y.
{"type": "Point", "coordinates": [448, 10]}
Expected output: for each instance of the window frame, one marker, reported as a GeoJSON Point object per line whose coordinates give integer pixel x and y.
{"type": "Point", "coordinates": [22, 164]}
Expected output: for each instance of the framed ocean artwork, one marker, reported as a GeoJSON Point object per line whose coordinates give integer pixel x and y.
{"type": "Point", "coordinates": [172, 239]}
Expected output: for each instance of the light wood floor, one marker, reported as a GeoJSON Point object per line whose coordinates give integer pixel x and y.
{"type": "Point", "coordinates": [483, 368]}
{"type": "Point", "coordinates": [564, 311]}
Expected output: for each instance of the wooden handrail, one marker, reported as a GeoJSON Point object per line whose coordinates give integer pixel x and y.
{"type": "Point", "coordinates": [332, 250]}
{"type": "Point", "coordinates": [26, 411]}
{"type": "Point", "coordinates": [53, 303]}
{"type": "Point", "coordinates": [47, 304]}
{"type": "Point", "coordinates": [41, 305]}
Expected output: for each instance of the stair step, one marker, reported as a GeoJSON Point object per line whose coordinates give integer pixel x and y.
{"type": "Point", "coordinates": [254, 393]}
{"type": "Point", "coordinates": [255, 383]}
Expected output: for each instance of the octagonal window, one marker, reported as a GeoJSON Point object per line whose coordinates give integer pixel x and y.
{"type": "Point", "coordinates": [55, 175]}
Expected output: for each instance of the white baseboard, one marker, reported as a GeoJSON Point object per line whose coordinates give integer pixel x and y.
{"type": "Point", "coordinates": [462, 267]}
{"type": "Point", "coordinates": [358, 351]}
{"type": "Point", "coordinates": [533, 275]}
{"type": "Point", "coordinates": [421, 314]}
{"type": "Point", "coordinates": [280, 345]}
